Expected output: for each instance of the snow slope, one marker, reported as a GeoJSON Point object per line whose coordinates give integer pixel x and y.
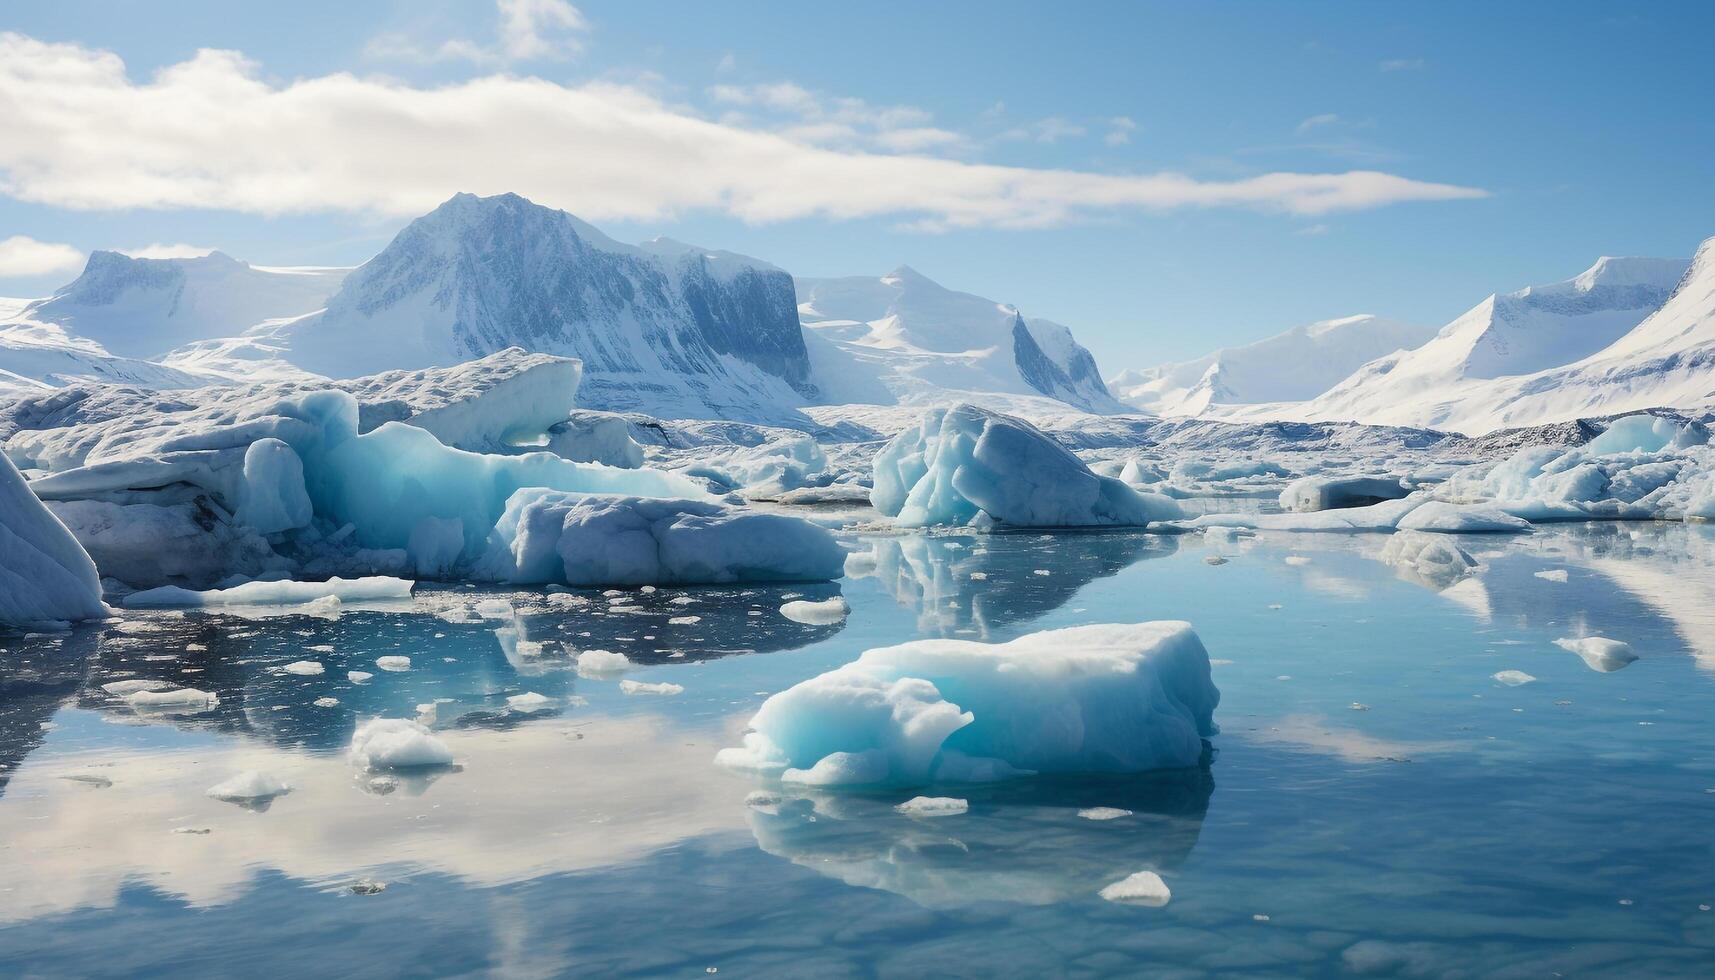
{"type": "Point", "coordinates": [1293, 366]}
{"type": "Point", "coordinates": [1513, 360]}
{"type": "Point", "coordinates": [143, 308]}
{"type": "Point", "coordinates": [37, 356]}
{"type": "Point", "coordinates": [664, 328]}
{"type": "Point", "coordinates": [905, 339]}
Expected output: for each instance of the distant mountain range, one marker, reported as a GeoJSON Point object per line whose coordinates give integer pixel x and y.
{"type": "Point", "coordinates": [665, 328]}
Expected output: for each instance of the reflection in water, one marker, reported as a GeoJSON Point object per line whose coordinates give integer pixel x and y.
{"type": "Point", "coordinates": [1021, 841]}
{"type": "Point", "coordinates": [37, 676]}
{"type": "Point", "coordinates": [548, 797]}
{"type": "Point", "coordinates": [979, 584]}
{"type": "Point", "coordinates": [467, 669]}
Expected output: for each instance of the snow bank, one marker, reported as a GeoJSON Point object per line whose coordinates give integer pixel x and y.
{"type": "Point", "coordinates": [373, 588]}
{"type": "Point", "coordinates": [966, 464]}
{"type": "Point", "coordinates": [600, 539]}
{"type": "Point", "coordinates": [45, 575]}
{"type": "Point", "coordinates": [397, 743]}
{"type": "Point", "coordinates": [1115, 698]}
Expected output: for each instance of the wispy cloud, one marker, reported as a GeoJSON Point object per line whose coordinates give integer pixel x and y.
{"type": "Point", "coordinates": [22, 256]}
{"type": "Point", "coordinates": [1119, 132]}
{"type": "Point", "coordinates": [822, 120]}
{"type": "Point", "coordinates": [1316, 121]}
{"type": "Point", "coordinates": [213, 132]}
{"type": "Point", "coordinates": [527, 30]}
{"type": "Point", "coordinates": [1050, 130]}
{"type": "Point", "coordinates": [1402, 64]}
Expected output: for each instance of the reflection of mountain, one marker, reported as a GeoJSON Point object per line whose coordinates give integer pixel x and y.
{"type": "Point", "coordinates": [982, 583]}
{"type": "Point", "coordinates": [37, 676]}
{"type": "Point", "coordinates": [458, 665]}
{"type": "Point", "coordinates": [1021, 841]}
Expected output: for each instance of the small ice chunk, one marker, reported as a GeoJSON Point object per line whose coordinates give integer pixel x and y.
{"type": "Point", "coordinates": [528, 702]}
{"type": "Point", "coordinates": [1143, 888]}
{"type": "Point", "coordinates": [1513, 678]}
{"type": "Point", "coordinates": [125, 688]}
{"type": "Point", "coordinates": [1553, 575]}
{"type": "Point", "coordinates": [394, 663]}
{"type": "Point", "coordinates": [1103, 813]}
{"type": "Point", "coordinates": [1296, 560]}
{"type": "Point", "coordinates": [600, 663]}
{"type": "Point", "coordinates": [1599, 652]}
{"type": "Point", "coordinates": [177, 699]}
{"type": "Point", "coordinates": [494, 609]}
{"type": "Point", "coordinates": [933, 806]}
{"type": "Point", "coordinates": [644, 687]}
{"type": "Point", "coordinates": [397, 743]}
{"type": "Point", "coordinates": [303, 668]}
{"type": "Point", "coordinates": [823, 613]}
{"type": "Point", "coordinates": [248, 787]}
{"type": "Point", "coordinates": [684, 620]}
{"type": "Point", "coordinates": [1214, 560]}
{"type": "Point", "coordinates": [358, 676]}
{"type": "Point", "coordinates": [326, 702]}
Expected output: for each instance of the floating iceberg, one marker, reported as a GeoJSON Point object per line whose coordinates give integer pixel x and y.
{"type": "Point", "coordinates": [373, 588]}
{"type": "Point", "coordinates": [966, 464]}
{"type": "Point", "coordinates": [397, 743]}
{"type": "Point", "coordinates": [599, 539]}
{"type": "Point", "coordinates": [816, 613]}
{"type": "Point", "coordinates": [1144, 888]}
{"type": "Point", "coordinates": [1316, 493]}
{"type": "Point", "coordinates": [46, 578]}
{"type": "Point", "coordinates": [1598, 652]}
{"type": "Point", "coordinates": [933, 806]}
{"type": "Point", "coordinates": [249, 787]}
{"type": "Point", "coordinates": [1117, 698]}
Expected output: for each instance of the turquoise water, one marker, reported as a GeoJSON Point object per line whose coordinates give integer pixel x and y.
{"type": "Point", "coordinates": [1376, 804]}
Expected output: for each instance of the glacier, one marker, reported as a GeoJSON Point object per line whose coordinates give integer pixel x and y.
{"type": "Point", "coordinates": [1105, 698]}
{"type": "Point", "coordinates": [966, 465]}
{"type": "Point", "coordinates": [46, 579]}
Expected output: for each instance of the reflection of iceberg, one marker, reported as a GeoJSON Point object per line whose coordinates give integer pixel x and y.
{"type": "Point", "coordinates": [37, 676]}
{"type": "Point", "coordinates": [474, 666]}
{"type": "Point", "coordinates": [1019, 842]}
{"type": "Point", "coordinates": [632, 781]}
{"type": "Point", "coordinates": [980, 584]}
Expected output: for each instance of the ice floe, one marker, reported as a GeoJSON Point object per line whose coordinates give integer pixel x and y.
{"type": "Point", "coordinates": [250, 786]}
{"type": "Point", "coordinates": [816, 613]}
{"type": "Point", "coordinates": [933, 806]}
{"type": "Point", "coordinates": [1143, 888]}
{"type": "Point", "coordinates": [1598, 652]}
{"type": "Point", "coordinates": [372, 588]}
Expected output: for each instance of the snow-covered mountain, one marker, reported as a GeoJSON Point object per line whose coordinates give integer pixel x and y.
{"type": "Point", "coordinates": [1293, 366]}
{"type": "Point", "coordinates": [905, 339]}
{"type": "Point", "coordinates": [143, 308]}
{"type": "Point", "coordinates": [1499, 364]}
{"type": "Point", "coordinates": [664, 327]}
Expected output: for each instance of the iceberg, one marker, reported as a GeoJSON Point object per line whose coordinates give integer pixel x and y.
{"type": "Point", "coordinates": [965, 465]}
{"type": "Point", "coordinates": [1317, 493]}
{"type": "Point", "coordinates": [251, 786]}
{"type": "Point", "coordinates": [587, 539]}
{"type": "Point", "coordinates": [46, 578]}
{"type": "Point", "coordinates": [373, 588]}
{"type": "Point", "coordinates": [397, 743]}
{"type": "Point", "coordinates": [1598, 652]}
{"type": "Point", "coordinates": [816, 613]}
{"type": "Point", "coordinates": [1109, 698]}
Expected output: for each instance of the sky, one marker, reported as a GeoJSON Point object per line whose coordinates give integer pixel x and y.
{"type": "Point", "coordinates": [1165, 178]}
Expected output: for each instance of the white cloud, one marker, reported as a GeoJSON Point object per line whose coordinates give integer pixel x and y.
{"type": "Point", "coordinates": [528, 30]}
{"type": "Point", "coordinates": [212, 132]}
{"type": "Point", "coordinates": [22, 256]}
{"type": "Point", "coordinates": [1402, 64]}
{"type": "Point", "coordinates": [159, 250]}
{"type": "Point", "coordinates": [1317, 121]}
{"type": "Point", "coordinates": [1050, 130]}
{"type": "Point", "coordinates": [1119, 132]}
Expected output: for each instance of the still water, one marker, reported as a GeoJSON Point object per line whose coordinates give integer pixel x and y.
{"type": "Point", "coordinates": [1376, 804]}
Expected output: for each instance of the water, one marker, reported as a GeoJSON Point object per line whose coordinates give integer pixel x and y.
{"type": "Point", "coordinates": [1377, 803]}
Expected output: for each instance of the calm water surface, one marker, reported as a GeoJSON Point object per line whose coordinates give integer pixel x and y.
{"type": "Point", "coordinates": [1377, 803]}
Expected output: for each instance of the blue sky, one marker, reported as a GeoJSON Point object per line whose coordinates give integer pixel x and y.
{"type": "Point", "coordinates": [1517, 144]}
